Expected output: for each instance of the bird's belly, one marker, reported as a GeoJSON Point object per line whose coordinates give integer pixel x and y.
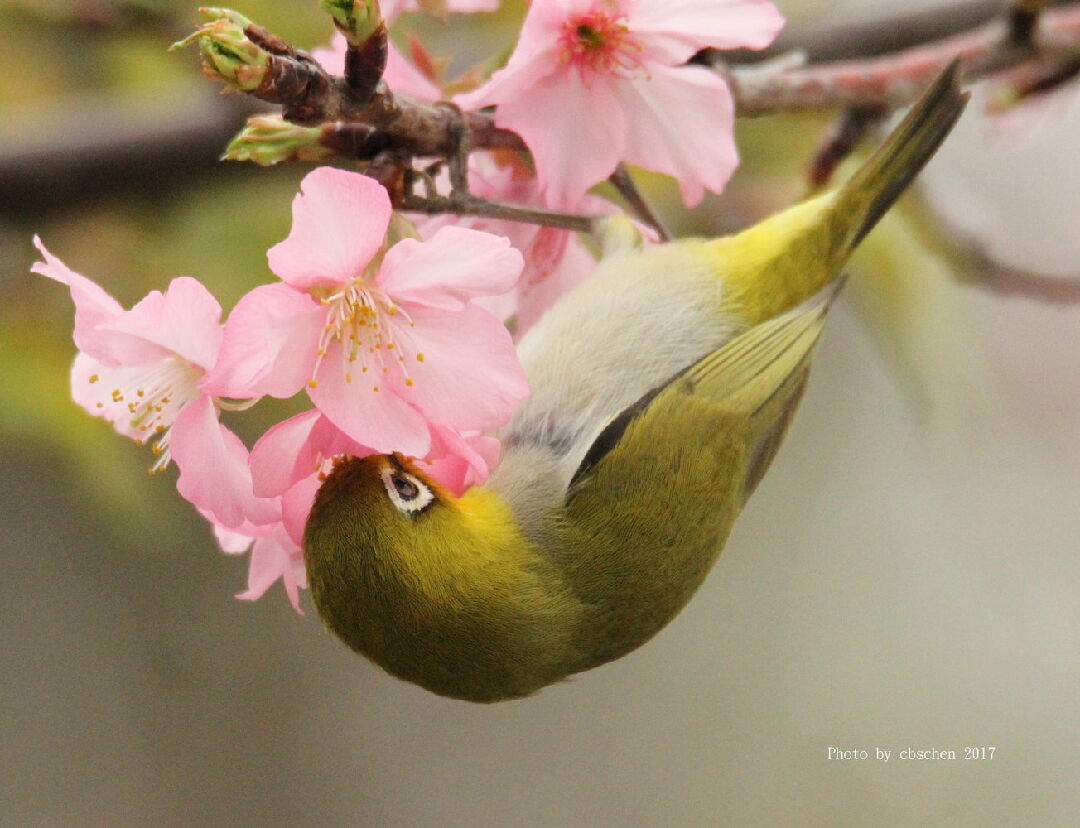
{"type": "Point", "coordinates": [610, 341]}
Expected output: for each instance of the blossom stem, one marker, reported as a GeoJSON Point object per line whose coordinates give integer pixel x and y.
{"type": "Point", "coordinates": [464, 204]}
{"type": "Point", "coordinates": [622, 181]}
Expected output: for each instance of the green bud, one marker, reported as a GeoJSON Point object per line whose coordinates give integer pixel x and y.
{"type": "Point", "coordinates": [227, 53]}
{"type": "Point", "coordinates": [213, 13]}
{"type": "Point", "coordinates": [270, 139]}
{"type": "Point", "coordinates": [357, 19]}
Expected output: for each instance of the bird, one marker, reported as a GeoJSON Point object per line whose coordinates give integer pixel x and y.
{"type": "Point", "coordinates": [662, 387]}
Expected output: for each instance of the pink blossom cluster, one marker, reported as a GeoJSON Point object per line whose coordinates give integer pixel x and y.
{"type": "Point", "coordinates": [402, 347]}
{"type": "Point", "coordinates": [591, 84]}
{"type": "Point", "coordinates": [387, 342]}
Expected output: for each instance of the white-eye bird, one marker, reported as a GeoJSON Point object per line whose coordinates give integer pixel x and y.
{"type": "Point", "coordinates": [661, 389]}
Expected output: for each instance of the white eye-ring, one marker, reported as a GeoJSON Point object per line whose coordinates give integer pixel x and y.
{"type": "Point", "coordinates": [405, 491]}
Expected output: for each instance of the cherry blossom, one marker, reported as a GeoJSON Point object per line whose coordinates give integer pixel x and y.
{"type": "Point", "coordinates": [595, 82]}
{"type": "Point", "coordinates": [141, 370]}
{"type": "Point", "coordinates": [388, 344]}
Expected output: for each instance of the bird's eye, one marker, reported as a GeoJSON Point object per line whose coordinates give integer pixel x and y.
{"type": "Point", "coordinates": [405, 487]}
{"type": "Point", "coordinates": [405, 491]}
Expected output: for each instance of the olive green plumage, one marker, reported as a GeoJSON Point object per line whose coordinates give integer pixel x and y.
{"type": "Point", "coordinates": [662, 387]}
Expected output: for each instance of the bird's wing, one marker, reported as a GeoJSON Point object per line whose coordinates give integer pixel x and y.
{"type": "Point", "coordinates": [756, 380]}
{"type": "Point", "coordinates": [652, 504]}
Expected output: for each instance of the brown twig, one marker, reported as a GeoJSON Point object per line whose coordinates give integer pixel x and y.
{"type": "Point", "coordinates": [895, 80]}
{"type": "Point", "coordinates": [842, 140]}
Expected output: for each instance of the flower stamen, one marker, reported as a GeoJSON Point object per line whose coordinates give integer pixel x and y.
{"type": "Point", "coordinates": [359, 318]}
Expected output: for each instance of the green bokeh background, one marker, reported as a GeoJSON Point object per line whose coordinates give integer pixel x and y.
{"type": "Point", "coordinates": [907, 574]}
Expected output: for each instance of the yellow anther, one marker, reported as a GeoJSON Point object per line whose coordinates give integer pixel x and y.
{"type": "Point", "coordinates": [419, 357]}
{"type": "Point", "coordinates": [409, 382]}
{"type": "Point", "coordinates": [94, 378]}
{"type": "Point", "coordinates": [313, 383]}
{"type": "Point", "coordinates": [376, 388]}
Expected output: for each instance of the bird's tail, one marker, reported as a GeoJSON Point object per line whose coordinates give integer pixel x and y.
{"type": "Point", "coordinates": [783, 261]}
{"type": "Point", "coordinates": [871, 191]}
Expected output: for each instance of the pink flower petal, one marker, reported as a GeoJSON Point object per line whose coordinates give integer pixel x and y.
{"type": "Point", "coordinates": [683, 126]}
{"type": "Point", "coordinates": [379, 419]}
{"type": "Point", "coordinates": [535, 57]}
{"type": "Point", "coordinates": [90, 390]}
{"type": "Point", "coordinates": [339, 222]}
{"type": "Point", "coordinates": [185, 320]}
{"type": "Point", "coordinates": [557, 261]}
{"type": "Point", "coordinates": [455, 265]}
{"type": "Point", "coordinates": [679, 28]}
{"type": "Point", "coordinates": [213, 464]}
{"type": "Point", "coordinates": [275, 556]}
{"type": "Point", "coordinates": [269, 346]}
{"type": "Point", "coordinates": [470, 377]}
{"type": "Point", "coordinates": [94, 308]}
{"type": "Point", "coordinates": [284, 455]}
{"type": "Point", "coordinates": [295, 449]}
{"type": "Point", "coordinates": [296, 505]}
{"type": "Point", "coordinates": [563, 105]}
{"type": "Point", "coordinates": [459, 461]}
{"type": "Point", "coordinates": [139, 400]}
{"type": "Point", "coordinates": [231, 541]}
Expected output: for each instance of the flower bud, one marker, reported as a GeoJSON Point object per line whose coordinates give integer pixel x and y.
{"type": "Point", "coordinates": [358, 20]}
{"type": "Point", "coordinates": [228, 55]}
{"type": "Point", "coordinates": [270, 139]}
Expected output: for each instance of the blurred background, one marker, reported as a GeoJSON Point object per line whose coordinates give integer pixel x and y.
{"type": "Point", "coordinates": [907, 575]}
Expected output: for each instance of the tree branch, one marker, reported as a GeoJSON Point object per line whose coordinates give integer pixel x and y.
{"type": "Point", "coordinates": [888, 61]}
{"type": "Point", "coordinates": [310, 96]}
